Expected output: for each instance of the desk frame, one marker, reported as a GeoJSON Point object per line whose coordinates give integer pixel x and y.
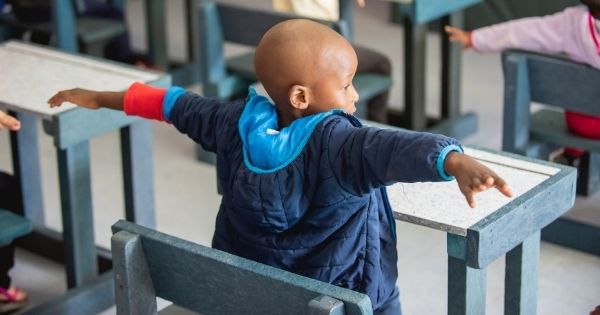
{"type": "Point", "coordinates": [512, 231]}
{"type": "Point", "coordinates": [72, 130]}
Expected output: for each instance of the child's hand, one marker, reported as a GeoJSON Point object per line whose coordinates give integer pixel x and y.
{"type": "Point", "coordinates": [473, 177]}
{"type": "Point", "coordinates": [458, 35]}
{"type": "Point", "coordinates": [84, 98]}
{"type": "Point", "coordinates": [8, 121]}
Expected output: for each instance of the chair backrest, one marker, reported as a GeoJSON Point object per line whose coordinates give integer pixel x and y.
{"type": "Point", "coordinates": [551, 80]}
{"type": "Point", "coordinates": [220, 23]}
{"type": "Point", "coordinates": [148, 264]}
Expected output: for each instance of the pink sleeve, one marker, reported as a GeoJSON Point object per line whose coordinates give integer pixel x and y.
{"type": "Point", "coordinates": [544, 34]}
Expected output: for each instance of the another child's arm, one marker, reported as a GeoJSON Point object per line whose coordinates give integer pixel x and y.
{"type": "Point", "coordinates": [8, 121]}
{"type": "Point", "coordinates": [546, 34]}
{"type": "Point", "coordinates": [473, 177]}
{"type": "Point", "coordinates": [458, 35]}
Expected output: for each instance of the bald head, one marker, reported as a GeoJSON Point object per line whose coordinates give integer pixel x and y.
{"type": "Point", "coordinates": [299, 52]}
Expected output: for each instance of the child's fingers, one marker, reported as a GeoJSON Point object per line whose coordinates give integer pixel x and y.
{"type": "Point", "coordinates": [470, 198]}
{"type": "Point", "coordinates": [502, 186]}
{"type": "Point", "coordinates": [58, 99]}
{"type": "Point", "coordinates": [476, 185]}
{"type": "Point", "coordinates": [9, 122]}
{"type": "Point", "coordinates": [449, 29]}
{"type": "Point", "coordinates": [55, 100]}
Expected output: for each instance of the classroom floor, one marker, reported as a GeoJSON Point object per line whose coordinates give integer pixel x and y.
{"type": "Point", "coordinates": [187, 202]}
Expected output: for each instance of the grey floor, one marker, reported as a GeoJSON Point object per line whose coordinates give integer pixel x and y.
{"type": "Point", "coordinates": [187, 202]}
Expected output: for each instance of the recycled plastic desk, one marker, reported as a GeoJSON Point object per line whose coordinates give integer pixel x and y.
{"type": "Point", "coordinates": [498, 226]}
{"type": "Point", "coordinates": [31, 74]}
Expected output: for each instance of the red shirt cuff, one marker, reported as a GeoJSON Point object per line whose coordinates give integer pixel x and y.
{"type": "Point", "coordinates": [144, 101]}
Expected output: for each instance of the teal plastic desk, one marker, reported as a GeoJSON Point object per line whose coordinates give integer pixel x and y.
{"type": "Point", "coordinates": [497, 227]}
{"type": "Point", "coordinates": [30, 76]}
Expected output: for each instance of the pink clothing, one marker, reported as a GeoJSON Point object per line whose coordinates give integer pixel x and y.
{"type": "Point", "coordinates": [571, 31]}
{"type": "Point", "coordinates": [566, 32]}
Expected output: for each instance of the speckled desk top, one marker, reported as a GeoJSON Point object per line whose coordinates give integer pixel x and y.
{"type": "Point", "coordinates": [442, 206]}
{"type": "Point", "coordinates": [31, 74]}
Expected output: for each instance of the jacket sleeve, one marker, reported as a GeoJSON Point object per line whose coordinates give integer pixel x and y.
{"type": "Point", "coordinates": [204, 120]}
{"type": "Point", "coordinates": [363, 158]}
{"type": "Point", "coordinates": [543, 34]}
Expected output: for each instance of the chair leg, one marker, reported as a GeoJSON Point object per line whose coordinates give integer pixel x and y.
{"type": "Point", "coordinates": [588, 179]}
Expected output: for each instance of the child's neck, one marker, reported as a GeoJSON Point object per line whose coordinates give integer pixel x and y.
{"type": "Point", "coordinates": [284, 118]}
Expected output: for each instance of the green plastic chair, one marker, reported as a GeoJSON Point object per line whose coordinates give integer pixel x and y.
{"type": "Point", "coordinates": [149, 264]}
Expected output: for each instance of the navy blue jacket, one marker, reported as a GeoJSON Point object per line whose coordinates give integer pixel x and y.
{"type": "Point", "coordinates": [313, 200]}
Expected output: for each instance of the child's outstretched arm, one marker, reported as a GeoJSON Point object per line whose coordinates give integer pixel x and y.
{"type": "Point", "coordinates": [473, 177]}
{"type": "Point", "coordinates": [545, 34]}
{"type": "Point", "coordinates": [89, 99]}
{"type": "Point", "coordinates": [207, 121]}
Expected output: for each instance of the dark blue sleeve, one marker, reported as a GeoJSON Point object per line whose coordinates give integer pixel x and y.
{"type": "Point", "coordinates": [205, 120]}
{"type": "Point", "coordinates": [364, 158]}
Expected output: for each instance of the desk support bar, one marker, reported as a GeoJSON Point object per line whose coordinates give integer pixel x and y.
{"type": "Point", "coordinates": [136, 150]}
{"type": "Point", "coordinates": [414, 76]}
{"type": "Point", "coordinates": [521, 277]}
{"type": "Point", "coordinates": [451, 68]}
{"type": "Point", "coordinates": [26, 166]}
{"type": "Point", "coordinates": [78, 224]}
{"type": "Point", "coordinates": [466, 288]}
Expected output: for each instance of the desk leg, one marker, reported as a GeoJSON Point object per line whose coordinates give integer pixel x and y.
{"type": "Point", "coordinates": [451, 68]}
{"type": "Point", "coordinates": [521, 277]}
{"type": "Point", "coordinates": [466, 288]}
{"type": "Point", "coordinates": [136, 150]}
{"type": "Point", "coordinates": [26, 166]}
{"type": "Point", "coordinates": [78, 224]}
{"type": "Point", "coordinates": [65, 25]}
{"type": "Point", "coordinates": [415, 37]}
{"type": "Point", "coordinates": [156, 33]}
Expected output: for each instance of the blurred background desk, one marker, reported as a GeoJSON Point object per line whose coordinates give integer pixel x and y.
{"type": "Point", "coordinates": [415, 15]}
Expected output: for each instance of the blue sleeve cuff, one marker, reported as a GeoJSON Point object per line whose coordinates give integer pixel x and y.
{"type": "Point", "coordinates": [442, 158]}
{"type": "Point", "coordinates": [173, 93]}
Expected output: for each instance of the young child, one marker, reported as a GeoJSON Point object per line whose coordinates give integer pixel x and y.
{"type": "Point", "coordinates": [574, 31]}
{"type": "Point", "coordinates": [303, 182]}
{"type": "Point", "coordinates": [11, 297]}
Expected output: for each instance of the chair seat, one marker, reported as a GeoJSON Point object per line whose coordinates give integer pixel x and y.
{"type": "Point", "coordinates": [549, 126]}
{"type": "Point", "coordinates": [12, 226]}
{"type": "Point", "coordinates": [367, 85]}
{"type": "Point", "coordinates": [89, 30]}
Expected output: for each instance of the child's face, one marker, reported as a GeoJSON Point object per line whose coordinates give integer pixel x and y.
{"type": "Point", "coordinates": [334, 89]}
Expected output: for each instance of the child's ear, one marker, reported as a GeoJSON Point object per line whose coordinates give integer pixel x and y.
{"type": "Point", "coordinates": [299, 96]}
